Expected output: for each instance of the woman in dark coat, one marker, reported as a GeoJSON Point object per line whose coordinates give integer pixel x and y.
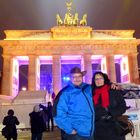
{"type": "Point", "coordinates": [10, 121]}
{"type": "Point", "coordinates": [37, 123]}
{"type": "Point", "coordinates": [108, 104]}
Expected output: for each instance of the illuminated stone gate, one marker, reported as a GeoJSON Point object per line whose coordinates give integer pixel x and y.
{"type": "Point", "coordinates": [70, 42]}
{"type": "Point", "coordinates": [53, 46]}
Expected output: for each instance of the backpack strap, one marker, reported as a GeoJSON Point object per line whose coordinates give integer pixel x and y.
{"type": "Point", "coordinates": [56, 100]}
{"type": "Point", "coordinates": [84, 87]}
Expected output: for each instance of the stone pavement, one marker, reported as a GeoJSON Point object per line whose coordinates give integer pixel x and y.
{"type": "Point", "coordinates": [26, 135]}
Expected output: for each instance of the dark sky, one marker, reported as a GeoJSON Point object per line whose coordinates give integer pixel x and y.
{"type": "Point", "coordinates": [40, 14]}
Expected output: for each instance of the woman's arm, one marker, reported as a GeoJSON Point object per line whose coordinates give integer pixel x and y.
{"type": "Point", "coordinates": [120, 106]}
{"type": "Point", "coordinates": [4, 121]}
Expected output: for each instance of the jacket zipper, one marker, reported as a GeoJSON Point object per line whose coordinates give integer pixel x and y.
{"type": "Point", "coordinates": [91, 112]}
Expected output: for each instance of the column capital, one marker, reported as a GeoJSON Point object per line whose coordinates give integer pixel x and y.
{"type": "Point", "coordinates": [109, 54]}
{"type": "Point", "coordinates": [87, 55]}
{"type": "Point", "coordinates": [133, 54]}
{"type": "Point", "coordinates": [7, 56]}
{"type": "Point", "coordinates": [56, 55]}
{"type": "Point", "coordinates": [32, 55]}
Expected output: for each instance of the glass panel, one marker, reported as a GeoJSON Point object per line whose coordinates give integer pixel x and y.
{"type": "Point", "coordinates": [118, 73]}
{"type": "Point", "coordinates": [96, 67]}
{"type": "Point", "coordinates": [23, 77]}
{"type": "Point", "coordinates": [46, 77]}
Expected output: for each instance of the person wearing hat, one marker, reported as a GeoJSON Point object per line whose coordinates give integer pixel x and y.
{"type": "Point", "coordinates": [73, 109]}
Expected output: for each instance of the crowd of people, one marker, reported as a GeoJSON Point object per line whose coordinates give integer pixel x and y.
{"type": "Point", "coordinates": [40, 119]}
{"type": "Point", "coordinates": [80, 110]}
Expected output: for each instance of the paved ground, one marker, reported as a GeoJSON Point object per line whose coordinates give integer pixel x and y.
{"type": "Point", "coordinates": [26, 135]}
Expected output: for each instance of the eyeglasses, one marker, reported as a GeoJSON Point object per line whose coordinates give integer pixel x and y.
{"type": "Point", "coordinates": [76, 77]}
{"type": "Point", "coordinates": [97, 79]}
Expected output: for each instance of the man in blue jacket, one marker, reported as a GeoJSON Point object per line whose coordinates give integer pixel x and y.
{"type": "Point", "coordinates": [74, 111]}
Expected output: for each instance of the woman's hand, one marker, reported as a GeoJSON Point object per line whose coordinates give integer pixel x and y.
{"type": "Point", "coordinates": [115, 86]}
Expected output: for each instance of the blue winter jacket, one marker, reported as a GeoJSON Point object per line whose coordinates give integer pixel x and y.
{"type": "Point", "coordinates": [75, 110]}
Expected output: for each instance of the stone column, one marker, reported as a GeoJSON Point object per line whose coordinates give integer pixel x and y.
{"type": "Point", "coordinates": [7, 75]}
{"type": "Point", "coordinates": [32, 73]}
{"type": "Point", "coordinates": [56, 73]}
{"type": "Point", "coordinates": [111, 70]}
{"type": "Point", "coordinates": [133, 68]}
{"type": "Point", "coordinates": [88, 67]}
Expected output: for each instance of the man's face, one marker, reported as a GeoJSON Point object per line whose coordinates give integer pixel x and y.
{"type": "Point", "coordinates": [77, 79]}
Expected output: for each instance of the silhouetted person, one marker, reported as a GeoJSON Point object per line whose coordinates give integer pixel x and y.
{"type": "Point", "coordinates": [50, 116]}
{"type": "Point", "coordinates": [37, 123]}
{"type": "Point", "coordinates": [44, 113]}
{"type": "Point", "coordinates": [53, 96]}
{"type": "Point", "coordinates": [11, 121]}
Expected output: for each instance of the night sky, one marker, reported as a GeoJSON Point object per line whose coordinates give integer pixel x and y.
{"type": "Point", "coordinates": [40, 14]}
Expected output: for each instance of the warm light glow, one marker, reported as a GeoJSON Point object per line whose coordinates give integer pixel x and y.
{"type": "Point", "coordinates": [71, 33]}
{"type": "Point", "coordinates": [103, 65]}
{"type": "Point", "coordinates": [124, 69]}
{"type": "Point", "coordinates": [71, 57]}
{"type": "Point", "coordinates": [118, 56]}
{"type": "Point", "coordinates": [37, 74]}
{"type": "Point", "coordinates": [96, 57]}
{"type": "Point", "coordinates": [15, 77]}
{"type": "Point", "coordinates": [45, 57]}
{"type": "Point", "coordinates": [23, 88]}
{"type": "Point", "coordinates": [23, 58]}
{"type": "Point", "coordinates": [27, 35]}
{"type": "Point", "coordinates": [113, 38]}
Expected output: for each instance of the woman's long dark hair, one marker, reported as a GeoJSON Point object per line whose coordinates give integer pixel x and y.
{"type": "Point", "coordinates": [105, 76]}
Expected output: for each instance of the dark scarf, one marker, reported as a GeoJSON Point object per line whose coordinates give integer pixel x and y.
{"type": "Point", "coordinates": [103, 94]}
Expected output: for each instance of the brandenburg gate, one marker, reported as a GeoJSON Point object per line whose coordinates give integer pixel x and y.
{"type": "Point", "coordinates": [33, 46]}
{"type": "Point", "coordinates": [71, 40]}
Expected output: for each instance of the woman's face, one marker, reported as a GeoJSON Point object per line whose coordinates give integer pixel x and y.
{"type": "Point", "coordinates": [99, 80]}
